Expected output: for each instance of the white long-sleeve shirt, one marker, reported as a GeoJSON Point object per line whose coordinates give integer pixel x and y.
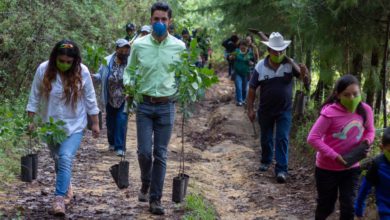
{"type": "Point", "coordinates": [75, 119]}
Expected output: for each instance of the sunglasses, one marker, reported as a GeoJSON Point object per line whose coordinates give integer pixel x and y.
{"type": "Point", "coordinates": [66, 46]}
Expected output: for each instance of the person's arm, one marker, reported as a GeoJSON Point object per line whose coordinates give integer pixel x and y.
{"type": "Point", "coordinates": [35, 92]}
{"type": "Point", "coordinates": [300, 70]}
{"type": "Point", "coordinates": [360, 202]}
{"type": "Point", "coordinates": [255, 52]}
{"type": "Point", "coordinates": [129, 74]}
{"type": "Point", "coordinates": [369, 127]}
{"type": "Point", "coordinates": [91, 103]}
{"type": "Point", "coordinates": [250, 100]}
{"type": "Point", "coordinates": [253, 84]}
{"type": "Point", "coordinates": [97, 77]}
{"type": "Point", "coordinates": [315, 138]}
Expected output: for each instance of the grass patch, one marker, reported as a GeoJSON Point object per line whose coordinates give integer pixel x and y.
{"type": "Point", "coordinates": [198, 208]}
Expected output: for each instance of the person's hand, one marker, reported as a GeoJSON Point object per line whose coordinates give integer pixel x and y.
{"type": "Point", "coordinates": [129, 99]}
{"type": "Point", "coordinates": [304, 70]}
{"type": "Point", "coordinates": [341, 160]}
{"type": "Point", "coordinates": [95, 130]}
{"type": "Point", "coordinates": [368, 149]}
{"type": "Point", "coordinates": [251, 63]}
{"type": "Point", "coordinates": [31, 127]}
{"type": "Point", "coordinates": [251, 115]}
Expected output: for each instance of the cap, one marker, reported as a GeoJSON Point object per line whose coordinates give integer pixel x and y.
{"type": "Point", "coordinates": [122, 43]}
{"type": "Point", "coordinates": [130, 26]}
{"type": "Point", "coordinates": [146, 28]}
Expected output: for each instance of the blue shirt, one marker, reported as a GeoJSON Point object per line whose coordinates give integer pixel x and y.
{"type": "Point", "coordinates": [378, 176]}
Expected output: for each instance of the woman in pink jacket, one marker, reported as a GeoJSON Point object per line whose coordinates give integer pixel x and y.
{"type": "Point", "coordinates": [344, 123]}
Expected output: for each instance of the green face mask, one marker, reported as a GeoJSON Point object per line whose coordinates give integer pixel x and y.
{"type": "Point", "coordinates": [387, 154]}
{"type": "Point", "coordinates": [351, 104]}
{"type": "Point", "coordinates": [277, 59]}
{"type": "Point", "coordinates": [63, 67]}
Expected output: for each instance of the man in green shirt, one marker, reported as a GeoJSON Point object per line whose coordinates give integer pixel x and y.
{"type": "Point", "coordinates": [152, 56]}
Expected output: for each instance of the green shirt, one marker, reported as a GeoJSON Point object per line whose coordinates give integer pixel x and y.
{"type": "Point", "coordinates": [241, 62]}
{"type": "Point", "coordinates": [152, 60]}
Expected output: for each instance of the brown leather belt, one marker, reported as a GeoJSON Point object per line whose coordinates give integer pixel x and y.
{"type": "Point", "coordinates": [156, 100]}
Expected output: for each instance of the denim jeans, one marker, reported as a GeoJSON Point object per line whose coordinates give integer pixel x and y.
{"type": "Point", "coordinates": [154, 129]}
{"type": "Point", "coordinates": [116, 121]}
{"type": "Point", "coordinates": [332, 183]}
{"type": "Point", "coordinates": [63, 155]}
{"type": "Point", "coordinates": [281, 124]}
{"type": "Point", "coordinates": [241, 83]}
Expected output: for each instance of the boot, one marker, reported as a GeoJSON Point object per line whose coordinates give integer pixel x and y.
{"type": "Point", "coordinates": [59, 206]}
{"type": "Point", "coordinates": [69, 195]}
{"type": "Point", "coordinates": [143, 195]}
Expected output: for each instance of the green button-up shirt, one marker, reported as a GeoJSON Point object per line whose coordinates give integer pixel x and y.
{"type": "Point", "coordinates": [152, 60]}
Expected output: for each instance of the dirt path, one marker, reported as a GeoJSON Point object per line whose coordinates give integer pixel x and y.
{"type": "Point", "coordinates": [222, 159]}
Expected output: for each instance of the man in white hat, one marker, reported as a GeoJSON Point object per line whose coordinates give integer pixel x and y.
{"type": "Point", "coordinates": [274, 74]}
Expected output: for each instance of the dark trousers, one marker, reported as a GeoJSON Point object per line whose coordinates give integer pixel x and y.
{"type": "Point", "coordinates": [267, 140]}
{"type": "Point", "coordinates": [116, 121]}
{"type": "Point", "coordinates": [331, 184]}
{"type": "Point", "coordinates": [154, 129]}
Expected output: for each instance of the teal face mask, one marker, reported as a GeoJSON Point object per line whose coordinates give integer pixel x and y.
{"type": "Point", "coordinates": [387, 154]}
{"type": "Point", "coordinates": [63, 67]}
{"type": "Point", "coordinates": [277, 59]}
{"type": "Point", "coordinates": [351, 104]}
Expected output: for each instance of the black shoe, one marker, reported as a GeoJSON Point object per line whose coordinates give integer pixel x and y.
{"type": "Point", "coordinates": [156, 208]}
{"type": "Point", "coordinates": [281, 177]}
{"type": "Point", "coordinates": [239, 103]}
{"type": "Point", "coordinates": [143, 195]}
{"type": "Point", "coordinates": [263, 167]}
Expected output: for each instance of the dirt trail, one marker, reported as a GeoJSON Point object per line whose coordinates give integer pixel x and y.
{"type": "Point", "coordinates": [226, 172]}
{"type": "Point", "coordinates": [222, 159]}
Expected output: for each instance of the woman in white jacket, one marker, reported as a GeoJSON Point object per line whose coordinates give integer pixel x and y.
{"type": "Point", "coordinates": [63, 89]}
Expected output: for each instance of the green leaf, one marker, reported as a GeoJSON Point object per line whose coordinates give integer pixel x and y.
{"type": "Point", "coordinates": [195, 85]}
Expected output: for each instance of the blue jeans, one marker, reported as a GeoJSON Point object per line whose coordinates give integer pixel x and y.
{"type": "Point", "coordinates": [116, 121]}
{"type": "Point", "coordinates": [282, 122]}
{"type": "Point", "coordinates": [63, 155]}
{"type": "Point", "coordinates": [154, 129]}
{"type": "Point", "coordinates": [241, 83]}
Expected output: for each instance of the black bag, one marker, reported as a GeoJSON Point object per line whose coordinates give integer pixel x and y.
{"type": "Point", "coordinates": [180, 182]}
{"type": "Point", "coordinates": [179, 187]}
{"type": "Point", "coordinates": [26, 168]}
{"type": "Point", "coordinates": [89, 121]}
{"type": "Point", "coordinates": [356, 154]}
{"type": "Point", "coordinates": [120, 174]}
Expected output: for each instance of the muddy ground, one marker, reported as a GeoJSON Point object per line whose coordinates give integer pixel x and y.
{"type": "Point", "coordinates": [222, 157]}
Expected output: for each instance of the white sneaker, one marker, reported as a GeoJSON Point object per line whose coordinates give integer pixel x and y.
{"type": "Point", "coordinates": [120, 153]}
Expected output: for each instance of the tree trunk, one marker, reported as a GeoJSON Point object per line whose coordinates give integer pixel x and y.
{"type": "Point", "coordinates": [384, 71]}
{"type": "Point", "coordinates": [357, 66]}
{"type": "Point", "coordinates": [378, 101]}
{"type": "Point", "coordinates": [370, 80]}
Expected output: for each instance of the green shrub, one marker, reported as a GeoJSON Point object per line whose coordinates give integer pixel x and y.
{"type": "Point", "coordinates": [198, 208]}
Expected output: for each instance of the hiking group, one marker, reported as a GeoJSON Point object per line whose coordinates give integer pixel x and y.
{"type": "Point", "coordinates": [63, 90]}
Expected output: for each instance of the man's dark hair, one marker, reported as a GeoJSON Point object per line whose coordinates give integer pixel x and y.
{"type": "Point", "coordinates": [234, 38]}
{"type": "Point", "coordinates": [161, 6]}
{"type": "Point", "coordinates": [185, 31]}
{"type": "Point", "coordinates": [386, 136]}
{"type": "Point", "coordinates": [243, 42]}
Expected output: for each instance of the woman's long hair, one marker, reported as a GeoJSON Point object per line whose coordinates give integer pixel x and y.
{"type": "Point", "coordinates": [72, 81]}
{"type": "Point", "coordinates": [341, 84]}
